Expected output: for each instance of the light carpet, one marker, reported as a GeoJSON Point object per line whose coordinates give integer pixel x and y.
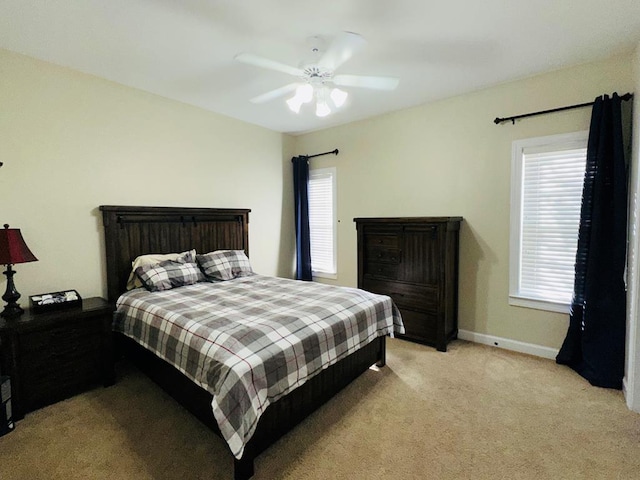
{"type": "Point", "coordinates": [474, 412]}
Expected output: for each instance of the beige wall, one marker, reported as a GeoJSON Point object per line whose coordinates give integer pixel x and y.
{"type": "Point", "coordinates": [72, 142]}
{"type": "Point", "coordinates": [449, 158]}
{"type": "Point", "coordinates": [632, 367]}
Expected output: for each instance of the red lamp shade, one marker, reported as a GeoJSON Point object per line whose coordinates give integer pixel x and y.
{"type": "Point", "coordinates": [12, 247]}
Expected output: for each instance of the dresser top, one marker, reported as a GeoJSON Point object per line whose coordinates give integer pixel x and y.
{"type": "Point", "coordinates": [408, 220]}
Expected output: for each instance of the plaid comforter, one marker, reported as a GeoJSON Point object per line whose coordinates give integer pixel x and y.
{"type": "Point", "coordinates": [251, 340]}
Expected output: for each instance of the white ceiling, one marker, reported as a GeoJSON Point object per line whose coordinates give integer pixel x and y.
{"type": "Point", "coordinates": [184, 49]}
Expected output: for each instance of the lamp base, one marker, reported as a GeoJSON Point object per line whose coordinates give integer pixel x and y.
{"type": "Point", "coordinates": [11, 296]}
{"type": "Point", "coordinates": [12, 311]}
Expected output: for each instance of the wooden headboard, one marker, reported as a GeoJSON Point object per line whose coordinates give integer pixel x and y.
{"type": "Point", "coordinates": [133, 231]}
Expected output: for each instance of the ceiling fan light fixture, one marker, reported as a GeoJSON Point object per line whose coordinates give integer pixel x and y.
{"type": "Point", "coordinates": [339, 97]}
{"type": "Point", "coordinates": [294, 104]}
{"type": "Point", "coordinates": [322, 109]}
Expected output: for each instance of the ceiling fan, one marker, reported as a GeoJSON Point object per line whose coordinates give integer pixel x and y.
{"type": "Point", "coordinates": [317, 78]}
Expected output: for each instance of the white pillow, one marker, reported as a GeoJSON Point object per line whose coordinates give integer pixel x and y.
{"type": "Point", "coordinates": [154, 259]}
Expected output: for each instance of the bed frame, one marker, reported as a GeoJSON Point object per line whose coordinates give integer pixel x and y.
{"type": "Point", "coordinates": [133, 231]}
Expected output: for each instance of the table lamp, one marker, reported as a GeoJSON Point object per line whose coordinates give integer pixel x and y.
{"type": "Point", "coordinates": [12, 250]}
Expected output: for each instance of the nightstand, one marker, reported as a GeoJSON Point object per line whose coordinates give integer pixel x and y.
{"type": "Point", "coordinates": [52, 356]}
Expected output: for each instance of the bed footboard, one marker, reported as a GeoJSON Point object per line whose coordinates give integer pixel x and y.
{"type": "Point", "coordinates": [281, 416]}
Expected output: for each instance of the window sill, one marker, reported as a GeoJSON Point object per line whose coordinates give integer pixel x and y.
{"type": "Point", "coordinates": [539, 304]}
{"type": "Point", "coordinates": [332, 276]}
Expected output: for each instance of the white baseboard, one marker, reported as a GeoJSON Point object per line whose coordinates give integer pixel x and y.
{"type": "Point", "coordinates": [516, 346]}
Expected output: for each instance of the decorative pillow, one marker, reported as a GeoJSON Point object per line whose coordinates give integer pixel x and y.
{"type": "Point", "coordinates": [168, 274]}
{"type": "Point", "coordinates": [155, 259]}
{"type": "Point", "coordinates": [224, 264]}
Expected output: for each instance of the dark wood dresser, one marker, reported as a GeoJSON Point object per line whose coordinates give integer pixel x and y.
{"type": "Point", "coordinates": [414, 260]}
{"type": "Point", "coordinates": [54, 355]}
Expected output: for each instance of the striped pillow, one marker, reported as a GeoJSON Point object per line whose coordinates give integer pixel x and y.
{"type": "Point", "coordinates": [224, 265]}
{"type": "Point", "coordinates": [154, 259]}
{"type": "Point", "coordinates": [168, 274]}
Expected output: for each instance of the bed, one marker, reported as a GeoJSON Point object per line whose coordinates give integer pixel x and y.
{"type": "Point", "coordinates": [134, 231]}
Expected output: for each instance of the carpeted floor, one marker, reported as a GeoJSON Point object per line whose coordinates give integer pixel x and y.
{"type": "Point", "coordinates": [474, 412]}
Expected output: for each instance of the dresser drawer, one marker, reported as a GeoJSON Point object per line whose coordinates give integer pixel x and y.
{"type": "Point", "coordinates": [420, 326]}
{"type": "Point", "coordinates": [420, 297]}
{"type": "Point", "coordinates": [386, 270]}
{"type": "Point", "coordinates": [382, 255]}
{"type": "Point", "coordinates": [381, 240]}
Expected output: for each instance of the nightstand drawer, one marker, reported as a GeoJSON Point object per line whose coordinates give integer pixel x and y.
{"type": "Point", "coordinates": [64, 374]}
{"type": "Point", "coordinates": [61, 337]}
{"type": "Point", "coordinates": [58, 356]}
{"type": "Point", "coordinates": [45, 388]}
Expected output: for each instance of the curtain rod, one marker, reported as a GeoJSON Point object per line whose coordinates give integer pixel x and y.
{"type": "Point", "coordinates": [497, 121]}
{"type": "Point", "coordinates": [334, 152]}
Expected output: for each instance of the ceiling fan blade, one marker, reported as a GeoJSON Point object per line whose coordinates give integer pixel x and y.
{"type": "Point", "coordinates": [258, 61]}
{"type": "Point", "coordinates": [341, 49]}
{"type": "Point", "coordinates": [375, 83]}
{"type": "Point", "coordinates": [278, 92]}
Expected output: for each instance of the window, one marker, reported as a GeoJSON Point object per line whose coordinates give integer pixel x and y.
{"type": "Point", "coordinates": [322, 221]}
{"type": "Point", "coordinates": [547, 174]}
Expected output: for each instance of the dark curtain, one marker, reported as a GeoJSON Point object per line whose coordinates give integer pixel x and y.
{"type": "Point", "coordinates": [301, 194]}
{"type": "Point", "coordinates": [595, 342]}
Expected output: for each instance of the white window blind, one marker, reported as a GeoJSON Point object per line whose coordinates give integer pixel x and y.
{"type": "Point", "coordinates": [548, 191]}
{"type": "Point", "coordinates": [322, 221]}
